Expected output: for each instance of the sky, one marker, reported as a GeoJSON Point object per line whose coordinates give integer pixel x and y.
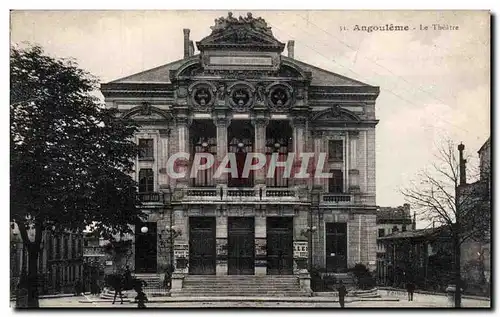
{"type": "Point", "coordinates": [435, 84]}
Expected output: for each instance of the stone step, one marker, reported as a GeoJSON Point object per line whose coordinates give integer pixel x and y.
{"type": "Point", "coordinates": [256, 289]}
{"type": "Point", "coordinates": [223, 284]}
{"type": "Point", "coordinates": [248, 294]}
{"type": "Point", "coordinates": [242, 277]}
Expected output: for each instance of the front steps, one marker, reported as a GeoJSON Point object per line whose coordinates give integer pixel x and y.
{"type": "Point", "coordinates": [154, 288]}
{"type": "Point", "coordinates": [240, 285]}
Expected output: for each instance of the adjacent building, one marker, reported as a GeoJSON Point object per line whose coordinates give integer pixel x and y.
{"type": "Point", "coordinates": [426, 255]}
{"type": "Point", "coordinates": [239, 94]}
{"type": "Point", "coordinates": [390, 220]}
{"type": "Point", "coordinates": [60, 262]}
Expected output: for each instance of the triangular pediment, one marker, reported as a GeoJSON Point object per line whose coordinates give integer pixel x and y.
{"type": "Point", "coordinates": [243, 33]}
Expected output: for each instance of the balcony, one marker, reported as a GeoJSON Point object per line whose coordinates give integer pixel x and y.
{"type": "Point", "coordinates": [151, 197]}
{"type": "Point", "coordinates": [240, 194]}
{"type": "Point", "coordinates": [337, 198]}
{"type": "Point", "coordinates": [280, 192]}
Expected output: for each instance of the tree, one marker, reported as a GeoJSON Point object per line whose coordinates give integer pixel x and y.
{"type": "Point", "coordinates": [443, 197]}
{"type": "Point", "coordinates": [120, 251]}
{"type": "Point", "coordinates": [71, 158]}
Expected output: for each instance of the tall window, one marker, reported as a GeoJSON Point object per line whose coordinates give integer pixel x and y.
{"type": "Point", "coordinates": [65, 246]}
{"type": "Point", "coordinates": [58, 247]}
{"type": "Point", "coordinates": [395, 229]}
{"type": "Point", "coordinates": [146, 180]}
{"type": "Point", "coordinates": [335, 150]}
{"type": "Point", "coordinates": [381, 232]}
{"type": "Point", "coordinates": [335, 183]}
{"type": "Point", "coordinates": [73, 247]}
{"type": "Point", "coordinates": [146, 148]}
{"type": "Point", "coordinates": [50, 249]}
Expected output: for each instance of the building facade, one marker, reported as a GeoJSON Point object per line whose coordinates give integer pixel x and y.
{"type": "Point", "coordinates": [60, 261]}
{"type": "Point", "coordinates": [240, 95]}
{"type": "Point", "coordinates": [390, 220]}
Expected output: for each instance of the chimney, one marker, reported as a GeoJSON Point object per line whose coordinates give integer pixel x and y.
{"type": "Point", "coordinates": [462, 161]}
{"type": "Point", "coordinates": [186, 42]}
{"type": "Point", "coordinates": [191, 48]}
{"type": "Point", "coordinates": [290, 46]}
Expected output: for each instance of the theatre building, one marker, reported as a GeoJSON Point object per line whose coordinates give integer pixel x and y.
{"type": "Point", "coordinates": [240, 93]}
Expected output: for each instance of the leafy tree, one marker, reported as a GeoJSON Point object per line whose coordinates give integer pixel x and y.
{"type": "Point", "coordinates": [120, 251]}
{"type": "Point", "coordinates": [71, 158]}
{"type": "Point", "coordinates": [443, 197]}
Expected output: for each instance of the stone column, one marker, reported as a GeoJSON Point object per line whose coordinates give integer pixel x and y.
{"type": "Point", "coordinates": [221, 243]}
{"type": "Point", "coordinates": [353, 159]}
{"type": "Point", "coordinates": [260, 123]}
{"type": "Point", "coordinates": [183, 121]}
{"type": "Point", "coordinates": [260, 244]}
{"type": "Point", "coordinates": [347, 162]}
{"type": "Point", "coordinates": [163, 154]}
{"type": "Point", "coordinates": [317, 140]}
{"type": "Point", "coordinates": [222, 123]}
{"type": "Point", "coordinates": [298, 124]}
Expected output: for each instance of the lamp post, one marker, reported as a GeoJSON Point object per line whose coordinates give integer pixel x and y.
{"type": "Point", "coordinates": [168, 201]}
{"type": "Point", "coordinates": [310, 229]}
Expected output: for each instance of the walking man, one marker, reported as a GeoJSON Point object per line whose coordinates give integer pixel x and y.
{"type": "Point", "coordinates": [410, 288]}
{"type": "Point", "coordinates": [342, 293]}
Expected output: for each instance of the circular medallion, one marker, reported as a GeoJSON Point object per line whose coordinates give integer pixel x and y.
{"type": "Point", "coordinates": [279, 97]}
{"type": "Point", "coordinates": [202, 96]}
{"type": "Point", "coordinates": [241, 97]}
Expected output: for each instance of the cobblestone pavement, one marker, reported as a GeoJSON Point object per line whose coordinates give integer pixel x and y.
{"type": "Point", "coordinates": [66, 302]}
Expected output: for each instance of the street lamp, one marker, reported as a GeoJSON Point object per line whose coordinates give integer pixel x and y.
{"type": "Point", "coordinates": [310, 229]}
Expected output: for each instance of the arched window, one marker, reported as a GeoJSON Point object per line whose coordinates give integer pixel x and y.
{"type": "Point", "coordinates": [146, 180]}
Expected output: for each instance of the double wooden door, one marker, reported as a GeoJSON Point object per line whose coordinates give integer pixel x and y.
{"type": "Point", "coordinates": [202, 252]}
{"type": "Point", "coordinates": [279, 232]}
{"type": "Point", "coordinates": [241, 246]}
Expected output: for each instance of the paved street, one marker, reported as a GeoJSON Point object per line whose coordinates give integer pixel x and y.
{"type": "Point", "coordinates": [437, 302]}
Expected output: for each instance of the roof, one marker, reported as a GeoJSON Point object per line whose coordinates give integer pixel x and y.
{"type": "Point", "coordinates": [420, 233]}
{"type": "Point", "coordinates": [320, 77]}
{"type": "Point", "coordinates": [158, 74]}
{"type": "Point", "coordinates": [485, 145]}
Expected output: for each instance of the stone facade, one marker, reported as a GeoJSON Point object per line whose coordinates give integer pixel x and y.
{"type": "Point", "coordinates": [240, 83]}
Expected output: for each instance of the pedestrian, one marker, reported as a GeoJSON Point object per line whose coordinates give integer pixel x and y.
{"type": "Point", "coordinates": [342, 293]}
{"type": "Point", "coordinates": [78, 287]}
{"type": "Point", "coordinates": [127, 277]}
{"type": "Point", "coordinates": [94, 288]}
{"type": "Point", "coordinates": [410, 288]}
{"type": "Point", "coordinates": [141, 298]}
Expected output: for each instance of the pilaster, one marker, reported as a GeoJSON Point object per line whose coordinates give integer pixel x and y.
{"type": "Point", "coordinates": [183, 121]}
{"type": "Point", "coordinates": [298, 122]}
{"type": "Point", "coordinates": [221, 122]}
{"type": "Point", "coordinates": [260, 123]}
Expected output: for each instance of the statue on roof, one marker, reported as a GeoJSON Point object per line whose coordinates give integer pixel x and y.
{"type": "Point", "coordinates": [258, 24]}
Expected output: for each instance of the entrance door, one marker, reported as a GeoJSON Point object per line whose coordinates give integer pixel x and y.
{"type": "Point", "coordinates": [279, 232]}
{"type": "Point", "coordinates": [336, 247]}
{"type": "Point", "coordinates": [145, 248]}
{"type": "Point", "coordinates": [202, 245]}
{"type": "Point", "coordinates": [241, 246]}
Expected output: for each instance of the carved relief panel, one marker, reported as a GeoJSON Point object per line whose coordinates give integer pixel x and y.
{"type": "Point", "coordinates": [241, 96]}
{"type": "Point", "coordinates": [202, 95]}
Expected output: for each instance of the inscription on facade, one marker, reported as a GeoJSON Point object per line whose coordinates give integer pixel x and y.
{"type": "Point", "coordinates": [241, 60]}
